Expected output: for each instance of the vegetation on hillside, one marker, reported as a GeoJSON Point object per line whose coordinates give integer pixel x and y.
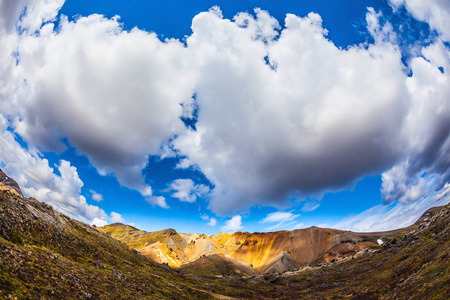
{"type": "Point", "coordinates": [47, 255]}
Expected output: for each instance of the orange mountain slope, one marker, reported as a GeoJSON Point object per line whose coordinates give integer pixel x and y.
{"type": "Point", "coordinates": [271, 252]}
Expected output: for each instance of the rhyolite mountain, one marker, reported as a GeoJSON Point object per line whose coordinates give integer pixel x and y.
{"type": "Point", "coordinates": [248, 253]}
{"type": "Point", "coordinates": [47, 255]}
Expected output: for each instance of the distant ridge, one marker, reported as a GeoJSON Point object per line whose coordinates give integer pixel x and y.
{"type": "Point", "coordinates": [252, 253]}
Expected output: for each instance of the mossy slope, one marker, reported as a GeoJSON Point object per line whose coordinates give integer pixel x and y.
{"type": "Point", "coordinates": [45, 254]}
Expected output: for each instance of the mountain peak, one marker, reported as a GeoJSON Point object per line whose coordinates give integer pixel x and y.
{"type": "Point", "coordinates": [169, 231]}
{"type": "Point", "coordinates": [8, 184]}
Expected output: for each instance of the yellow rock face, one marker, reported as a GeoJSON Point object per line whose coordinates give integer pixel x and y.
{"type": "Point", "coordinates": [264, 252]}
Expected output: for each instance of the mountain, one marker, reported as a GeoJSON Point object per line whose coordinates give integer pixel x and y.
{"type": "Point", "coordinates": [415, 266]}
{"type": "Point", "coordinates": [245, 253]}
{"type": "Point", "coordinates": [8, 184]}
{"type": "Point", "coordinates": [47, 255]}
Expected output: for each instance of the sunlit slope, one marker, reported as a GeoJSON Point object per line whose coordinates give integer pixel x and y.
{"type": "Point", "coordinates": [414, 266]}
{"type": "Point", "coordinates": [271, 252]}
{"type": "Point", "coordinates": [287, 250]}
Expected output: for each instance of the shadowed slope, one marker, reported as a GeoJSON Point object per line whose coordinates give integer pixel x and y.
{"type": "Point", "coordinates": [46, 254]}
{"type": "Point", "coordinates": [217, 264]}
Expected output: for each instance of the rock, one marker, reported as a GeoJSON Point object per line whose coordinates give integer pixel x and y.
{"type": "Point", "coordinates": [98, 264]}
{"type": "Point", "coordinates": [118, 274]}
{"type": "Point", "coordinates": [169, 231]}
{"type": "Point", "coordinates": [209, 288]}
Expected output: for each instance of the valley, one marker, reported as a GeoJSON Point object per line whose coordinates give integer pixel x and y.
{"type": "Point", "coordinates": [47, 255]}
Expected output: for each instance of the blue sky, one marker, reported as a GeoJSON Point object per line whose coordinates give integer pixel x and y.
{"type": "Point", "coordinates": [210, 116]}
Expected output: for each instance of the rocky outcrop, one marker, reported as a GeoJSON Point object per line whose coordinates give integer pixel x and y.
{"type": "Point", "coordinates": [8, 184]}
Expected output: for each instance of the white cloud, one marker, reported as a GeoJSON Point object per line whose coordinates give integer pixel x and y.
{"type": "Point", "coordinates": [96, 196]}
{"type": "Point", "coordinates": [212, 222]}
{"type": "Point", "coordinates": [116, 218]}
{"type": "Point", "coordinates": [37, 179]}
{"type": "Point", "coordinates": [158, 201]}
{"type": "Point", "coordinates": [122, 93]}
{"type": "Point", "coordinates": [283, 112]}
{"type": "Point", "coordinates": [282, 219]}
{"type": "Point", "coordinates": [435, 12]}
{"type": "Point", "coordinates": [426, 165]}
{"type": "Point", "coordinates": [234, 224]}
{"type": "Point", "coordinates": [310, 206]}
{"type": "Point", "coordinates": [99, 222]}
{"type": "Point", "coordinates": [279, 216]}
{"type": "Point", "coordinates": [395, 215]}
{"type": "Point", "coordinates": [299, 225]}
{"type": "Point", "coordinates": [267, 134]}
{"type": "Point", "coordinates": [37, 12]}
{"type": "Point", "coordinates": [184, 164]}
{"type": "Point", "coordinates": [187, 191]}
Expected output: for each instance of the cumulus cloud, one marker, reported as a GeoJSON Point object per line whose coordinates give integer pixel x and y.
{"type": "Point", "coordinates": [37, 179]}
{"type": "Point", "coordinates": [99, 222]}
{"type": "Point", "coordinates": [282, 112]}
{"type": "Point", "coordinates": [426, 165]}
{"type": "Point", "coordinates": [184, 164]}
{"type": "Point", "coordinates": [282, 219]}
{"type": "Point", "coordinates": [35, 15]}
{"type": "Point", "coordinates": [157, 201]}
{"type": "Point", "coordinates": [212, 222]}
{"type": "Point", "coordinates": [435, 12]}
{"type": "Point", "coordinates": [187, 191]}
{"type": "Point", "coordinates": [116, 218]}
{"type": "Point", "coordinates": [234, 224]}
{"type": "Point", "coordinates": [121, 91]}
{"type": "Point", "coordinates": [96, 196]}
{"type": "Point", "coordinates": [268, 132]}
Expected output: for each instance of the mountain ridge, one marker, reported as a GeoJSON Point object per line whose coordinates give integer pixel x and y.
{"type": "Point", "coordinates": [264, 252]}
